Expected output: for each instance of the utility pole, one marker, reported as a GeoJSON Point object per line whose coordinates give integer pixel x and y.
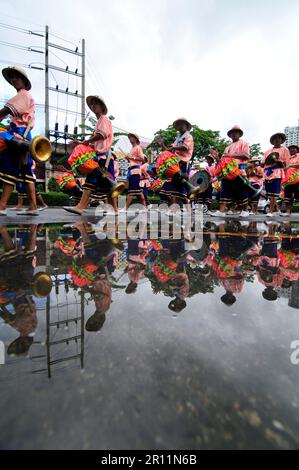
{"type": "Point", "coordinates": [55, 133]}
{"type": "Point", "coordinates": [83, 83]}
{"type": "Point", "coordinates": [47, 120]}
{"type": "Point", "coordinates": [47, 82]}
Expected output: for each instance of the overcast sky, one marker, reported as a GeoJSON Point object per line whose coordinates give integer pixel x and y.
{"type": "Point", "coordinates": [218, 63]}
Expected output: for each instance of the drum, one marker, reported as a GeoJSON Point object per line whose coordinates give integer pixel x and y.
{"type": "Point", "coordinates": [3, 145]}
{"type": "Point", "coordinates": [291, 177]}
{"type": "Point", "coordinates": [168, 167]}
{"type": "Point", "coordinates": [157, 184]}
{"type": "Point", "coordinates": [67, 182]}
{"type": "Point", "coordinates": [201, 179]}
{"type": "Point", "coordinates": [82, 160]}
{"type": "Point", "coordinates": [227, 168]}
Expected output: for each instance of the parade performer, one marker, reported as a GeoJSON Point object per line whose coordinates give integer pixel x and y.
{"type": "Point", "coordinates": [135, 159]}
{"type": "Point", "coordinates": [274, 161]}
{"type": "Point", "coordinates": [145, 181]}
{"type": "Point", "coordinates": [101, 140]}
{"type": "Point", "coordinates": [290, 182]}
{"type": "Point", "coordinates": [255, 175]}
{"type": "Point", "coordinates": [182, 147]}
{"type": "Point", "coordinates": [234, 190]}
{"type": "Point", "coordinates": [14, 166]}
{"type": "Point", "coordinates": [206, 196]}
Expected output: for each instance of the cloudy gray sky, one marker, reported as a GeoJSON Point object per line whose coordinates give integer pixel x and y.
{"type": "Point", "coordinates": [217, 62]}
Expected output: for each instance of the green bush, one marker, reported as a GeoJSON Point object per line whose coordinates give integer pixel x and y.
{"type": "Point", "coordinates": [53, 186]}
{"type": "Point", "coordinates": [56, 199]}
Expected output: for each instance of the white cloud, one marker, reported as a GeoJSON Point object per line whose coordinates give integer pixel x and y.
{"type": "Point", "coordinates": [219, 63]}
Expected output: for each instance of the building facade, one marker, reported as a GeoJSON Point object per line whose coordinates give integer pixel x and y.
{"type": "Point", "coordinates": [292, 134]}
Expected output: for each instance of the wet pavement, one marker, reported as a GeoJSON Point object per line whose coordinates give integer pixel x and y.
{"type": "Point", "coordinates": [149, 342]}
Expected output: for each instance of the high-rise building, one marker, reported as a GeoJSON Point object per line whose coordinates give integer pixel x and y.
{"type": "Point", "coordinates": [292, 134]}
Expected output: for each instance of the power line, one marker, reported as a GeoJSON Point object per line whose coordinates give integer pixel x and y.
{"type": "Point", "coordinates": [18, 46]}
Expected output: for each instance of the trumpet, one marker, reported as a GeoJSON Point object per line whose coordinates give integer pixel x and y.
{"type": "Point", "coordinates": [39, 147]}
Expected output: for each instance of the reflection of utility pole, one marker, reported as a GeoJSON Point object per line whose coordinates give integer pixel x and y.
{"type": "Point", "coordinates": [294, 297]}
{"type": "Point", "coordinates": [54, 355]}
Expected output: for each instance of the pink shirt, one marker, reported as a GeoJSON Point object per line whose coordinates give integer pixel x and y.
{"type": "Point", "coordinates": [185, 155]}
{"type": "Point", "coordinates": [145, 177]}
{"type": "Point", "coordinates": [294, 160]}
{"type": "Point", "coordinates": [104, 127]}
{"type": "Point", "coordinates": [284, 156]}
{"type": "Point", "coordinates": [238, 148]}
{"type": "Point", "coordinates": [259, 177]}
{"type": "Point", "coordinates": [136, 155]}
{"type": "Point", "coordinates": [233, 285]}
{"type": "Point", "coordinates": [211, 170]}
{"type": "Point", "coordinates": [22, 109]}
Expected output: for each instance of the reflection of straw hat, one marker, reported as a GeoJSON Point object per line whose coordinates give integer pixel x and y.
{"type": "Point", "coordinates": [91, 98]}
{"type": "Point", "coordinates": [235, 128]}
{"type": "Point", "coordinates": [8, 71]}
{"type": "Point", "coordinates": [42, 284]}
{"type": "Point", "coordinates": [182, 119]}
{"type": "Point", "coordinates": [278, 134]}
{"type": "Point", "coordinates": [131, 134]}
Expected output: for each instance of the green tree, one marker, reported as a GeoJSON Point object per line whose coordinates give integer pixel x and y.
{"type": "Point", "coordinates": [255, 150]}
{"type": "Point", "coordinates": [203, 140]}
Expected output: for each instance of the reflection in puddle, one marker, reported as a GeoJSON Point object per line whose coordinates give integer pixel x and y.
{"type": "Point", "coordinates": [58, 285]}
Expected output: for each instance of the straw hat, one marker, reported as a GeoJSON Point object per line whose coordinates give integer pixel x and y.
{"type": "Point", "coordinates": [91, 98]}
{"type": "Point", "coordinates": [131, 134]}
{"type": "Point", "coordinates": [235, 128]}
{"type": "Point", "coordinates": [7, 72]}
{"type": "Point", "coordinates": [175, 123]}
{"type": "Point", "coordinates": [278, 134]}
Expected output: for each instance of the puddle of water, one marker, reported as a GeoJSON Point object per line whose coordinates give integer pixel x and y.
{"type": "Point", "coordinates": [152, 343]}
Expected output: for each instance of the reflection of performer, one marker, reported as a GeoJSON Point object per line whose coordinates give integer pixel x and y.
{"type": "Point", "coordinates": [227, 263]}
{"type": "Point", "coordinates": [102, 295]}
{"type": "Point", "coordinates": [136, 254]}
{"type": "Point", "coordinates": [101, 139]}
{"type": "Point", "coordinates": [24, 320]}
{"type": "Point", "coordinates": [268, 271]}
{"type": "Point", "coordinates": [274, 172]}
{"type": "Point", "coordinates": [182, 147]}
{"type": "Point", "coordinates": [14, 166]}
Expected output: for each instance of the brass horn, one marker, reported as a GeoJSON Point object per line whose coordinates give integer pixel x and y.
{"type": "Point", "coordinates": [40, 147]}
